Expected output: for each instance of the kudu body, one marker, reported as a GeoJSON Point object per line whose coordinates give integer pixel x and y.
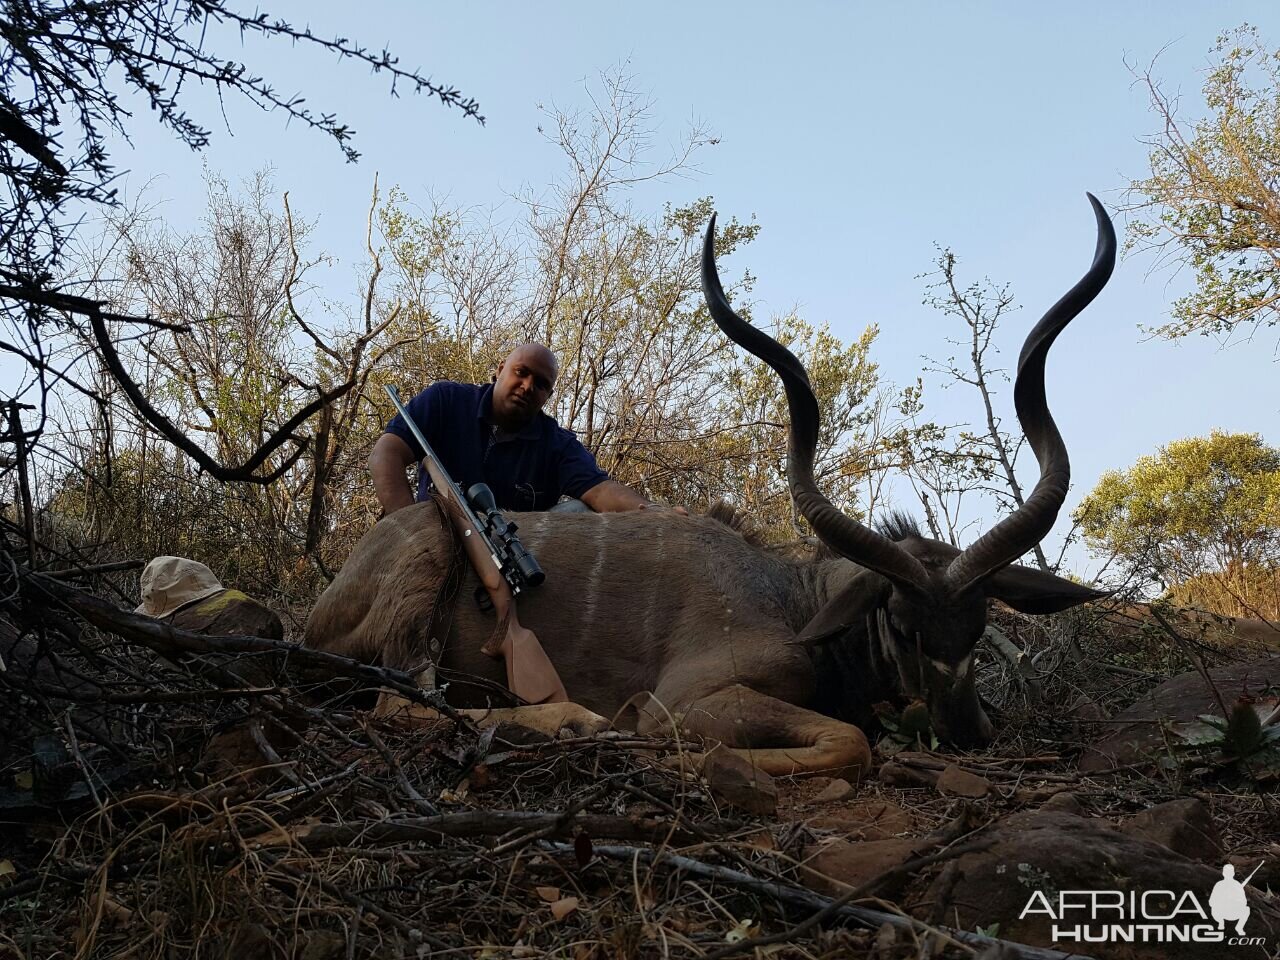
{"type": "Point", "coordinates": [776, 657]}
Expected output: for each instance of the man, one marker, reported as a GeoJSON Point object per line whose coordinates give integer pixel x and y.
{"type": "Point", "coordinates": [188, 595]}
{"type": "Point", "coordinates": [1228, 901]}
{"type": "Point", "coordinates": [497, 434]}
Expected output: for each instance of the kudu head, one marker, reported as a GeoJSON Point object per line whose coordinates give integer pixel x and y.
{"type": "Point", "coordinates": [922, 607]}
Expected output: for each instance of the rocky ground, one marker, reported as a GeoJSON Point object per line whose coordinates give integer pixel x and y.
{"type": "Point", "coordinates": [168, 794]}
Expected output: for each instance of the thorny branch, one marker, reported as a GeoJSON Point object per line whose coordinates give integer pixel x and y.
{"type": "Point", "coordinates": [64, 68]}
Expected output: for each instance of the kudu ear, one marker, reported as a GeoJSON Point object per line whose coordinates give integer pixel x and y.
{"type": "Point", "coordinates": [1034, 591]}
{"type": "Point", "coordinates": [844, 611]}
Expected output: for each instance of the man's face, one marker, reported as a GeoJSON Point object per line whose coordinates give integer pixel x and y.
{"type": "Point", "coordinates": [524, 384]}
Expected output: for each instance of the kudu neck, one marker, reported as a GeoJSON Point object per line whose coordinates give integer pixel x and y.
{"type": "Point", "coordinates": [851, 670]}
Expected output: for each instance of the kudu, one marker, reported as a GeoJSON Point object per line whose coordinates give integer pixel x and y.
{"type": "Point", "coordinates": [777, 657]}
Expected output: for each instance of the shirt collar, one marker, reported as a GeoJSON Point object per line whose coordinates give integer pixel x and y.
{"type": "Point", "coordinates": [484, 411]}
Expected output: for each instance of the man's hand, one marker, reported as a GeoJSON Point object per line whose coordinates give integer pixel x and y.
{"type": "Point", "coordinates": [663, 506]}
{"type": "Point", "coordinates": [610, 496]}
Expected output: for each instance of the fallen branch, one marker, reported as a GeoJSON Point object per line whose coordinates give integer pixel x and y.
{"type": "Point", "coordinates": [475, 823]}
{"type": "Point", "coordinates": [164, 638]}
{"type": "Point", "coordinates": [1024, 670]}
{"type": "Point", "coordinates": [76, 572]}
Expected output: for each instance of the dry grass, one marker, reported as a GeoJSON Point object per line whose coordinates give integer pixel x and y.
{"type": "Point", "coordinates": [148, 814]}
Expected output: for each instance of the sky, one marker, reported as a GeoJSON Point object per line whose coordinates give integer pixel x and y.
{"type": "Point", "coordinates": [857, 135]}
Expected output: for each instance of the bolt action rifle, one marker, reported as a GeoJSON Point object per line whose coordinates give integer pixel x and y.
{"type": "Point", "coordinates": [505, 568]}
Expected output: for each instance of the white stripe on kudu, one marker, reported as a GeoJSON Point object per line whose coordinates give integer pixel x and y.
{"type": "Point", "coordinates": [591, 589]}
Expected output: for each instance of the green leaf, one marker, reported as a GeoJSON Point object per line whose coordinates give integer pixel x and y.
{"type": "Point", "coordinates": [1219, 723]}
{"type": "Point", "coordinates": [1196, 733]}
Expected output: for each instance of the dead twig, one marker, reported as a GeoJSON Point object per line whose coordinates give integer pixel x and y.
{"type": "Point", "coordinates": [798, 896]}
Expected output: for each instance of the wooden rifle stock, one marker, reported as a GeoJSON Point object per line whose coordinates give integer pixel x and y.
{"type": "Point", "coordinates": [530, 674]}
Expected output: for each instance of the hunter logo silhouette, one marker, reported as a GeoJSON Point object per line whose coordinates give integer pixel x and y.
{"type": "Point", "coordinates": [1228, 902]}
{"type": "Point", "coordinates": [1149, 916]}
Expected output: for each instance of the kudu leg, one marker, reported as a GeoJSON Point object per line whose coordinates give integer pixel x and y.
{"type": "Point", "coordinates": [545, 718]}
{"type": "Point", "coordinates": [777, 737]}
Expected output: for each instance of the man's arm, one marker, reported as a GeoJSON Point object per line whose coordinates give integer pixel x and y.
{"type": "Point", "coordinates": [580, 472]}
{"type": "Point", "coordinates": [387, 464]}
{"type": "Point", "coordinates": [610, 496]}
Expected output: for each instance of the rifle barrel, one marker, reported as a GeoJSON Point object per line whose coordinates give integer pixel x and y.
{"type": "Point", "coordinates": [430, 454]}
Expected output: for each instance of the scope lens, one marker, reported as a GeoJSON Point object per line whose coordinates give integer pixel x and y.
{"type": "Point", "coordinates": [529, 569]}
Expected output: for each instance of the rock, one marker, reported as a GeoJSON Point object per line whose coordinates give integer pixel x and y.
{"type": "Point", "coordinates": [961, 783]}
{"type": "Point", "coordinates": [867, 820]}
{"type": "Point", "coordinates": [836, 790]}
{"type": "Point", "coordinates": [1184, 826]}
{"type": "Point", "coordinates": [1048, 852]}
{"type": "Point", "coordinates": [1136, 736]}
{"type": "Point", "coordinates": [229, 613]}
{"type": "Point", "coordinates": [734, 780]}
{"type": "Point", "coordinates": [836, 867]}
{"type": "Point", "coordinates": [897, 774]}
{"type": "Point", "coordinates": [1064, 802]}
{"type": "Point", "coordinates": [1032, 796]}
{"type": "Point", "coordinates": [816, 784]}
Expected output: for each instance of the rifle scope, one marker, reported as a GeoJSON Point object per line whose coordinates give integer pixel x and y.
{"type": "Point", "coordinates": [503, 533]}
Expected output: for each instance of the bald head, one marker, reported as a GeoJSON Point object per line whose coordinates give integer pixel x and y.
{"type": "Point", "coordinates": [523, 385]}
{"type": "Point", "coordinates": [537, 353]}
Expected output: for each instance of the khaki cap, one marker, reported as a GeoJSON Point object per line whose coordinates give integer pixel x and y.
{"type": "Point", "coordinates": [170, 583]}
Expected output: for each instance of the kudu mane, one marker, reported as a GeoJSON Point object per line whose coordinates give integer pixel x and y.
{"type": "Point", "coordinates": [739, 521]}
{"type": "Point", "coordinates": [898, 526]}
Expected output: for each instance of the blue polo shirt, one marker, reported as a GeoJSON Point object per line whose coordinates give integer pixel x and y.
{"type": "Point", "coordinates": [529, 470]}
